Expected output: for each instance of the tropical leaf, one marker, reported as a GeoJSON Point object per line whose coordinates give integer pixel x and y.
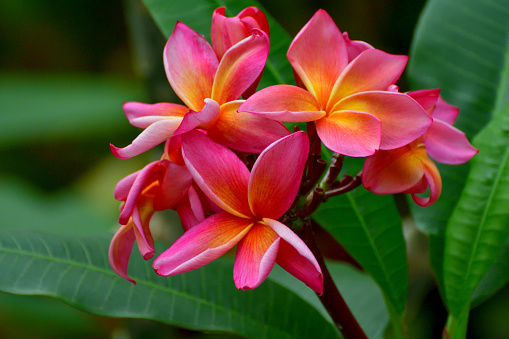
{"type": "Point", "coordinates": [76, 271]}
{"type": "Point", "coordinates": [197, 14]}
{"type": "Point", "coordinates": [479, 226]}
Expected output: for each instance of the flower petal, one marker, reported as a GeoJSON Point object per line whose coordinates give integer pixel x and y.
{"type": "Point", "coordinates": [202, 244]}
{"type": "Point", "coordinates": [284, 103]}
{"type": "Point", "coordinates": [372, 70]}
{"type": "Point", "coordinates": [194, 119]}
{"type": "Point", "coordinates": [190, 65]}
{"type": "Point", "coordinates": [393, 171]}
{"type": "Point", "coordinates": [355, 47]}
{"type": "Point", "coordinates": [427, 98]}
{"type": "Point", "coordinates": [120, 250]}
{"type": "Point", "coordinates": [226, 32]}
{"type": "Point", "coordinates": [124, 186]}
{"type": "Point", "coordinates": [256, 256]}
{"type": "Point", "coordinates": [445, 112]}
{"type": "Point", "coordinates": [245, 132]}
{"type": "Point", "coordinates": [447, 144]}
{"type": "Point", "coordinates": [240, 67]}
{"type": "Point", "coordinates": [152, 136]}
{"type": "Point", "coordinates": [434, 179]}
{"type": "Point", "coordinates": [218, 172]}
{"type": "Point", "coordinates": [318, 55]}
{"type": "Point", "coordinates": [190, 209]}
{"type": "Point", "coordinates": [174, 183]}
{"type": "Point", "coordinates": [143, 115]}
{"type": "Point", "coordinates": [351, 133]}
{"type": "Point", "coordinates": [403, 119]}
{"type": "Point", "coordinates": [296, 258]}
{"type": "Point", "coordinates": [276, 175]}
{"type": "Point", "coordinates": [142, 214]}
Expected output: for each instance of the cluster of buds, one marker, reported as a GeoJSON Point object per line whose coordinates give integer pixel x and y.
{"type": "Point", "coordinates": [237, 176]}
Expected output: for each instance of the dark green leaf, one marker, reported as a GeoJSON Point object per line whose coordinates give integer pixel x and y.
{"type": "Point", "coordinates": [369, 228]}
{"type": "Point", "coordinates": [197, 14]}
{"type": "Point", "coordinates": [77, 271]}
{"type": "Point", "coordinates": [479, 226]}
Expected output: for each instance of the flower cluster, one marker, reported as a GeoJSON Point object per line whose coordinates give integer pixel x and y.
{"type": "Point", "coordinates": [346, 93]}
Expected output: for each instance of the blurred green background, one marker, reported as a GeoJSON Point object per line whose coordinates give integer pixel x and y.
{"type": "Point", "coordinates": [66, 67]}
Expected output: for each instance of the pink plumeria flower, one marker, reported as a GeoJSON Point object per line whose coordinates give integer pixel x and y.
{"type": "Point", "coordinates": [251, 203]}
{"type": "Point", "coordinates": [354, 113]}
{"type": "Point", "coordinates": [408, 169]}
{"type": "Point", "coordinates": [209, 89]}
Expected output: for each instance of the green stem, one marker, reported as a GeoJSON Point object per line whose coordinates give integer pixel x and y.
{"type": "Point", "coordinates": [456, 327]}
{"type": "Point", "coordinates": [399, 326]}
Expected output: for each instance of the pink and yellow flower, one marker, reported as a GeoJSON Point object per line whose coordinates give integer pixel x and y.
{"type": "Point", "coordinates": [251, 203]}
{"type": "Point", "coordinates": [354, 113]}
{"type": "Point", "coordinates": [210, 90]}
{"type": "Point", "coordinates": [408, 169]}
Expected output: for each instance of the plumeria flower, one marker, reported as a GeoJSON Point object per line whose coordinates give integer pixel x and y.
{"type": "Point", "coordinates": [251, 203]}
{"type": "Point", "coordinates": [209, 89]}
{"type": "Point", "coordinates": [408, 169]}
{"type": "Point", "coordinates": [354, 113]}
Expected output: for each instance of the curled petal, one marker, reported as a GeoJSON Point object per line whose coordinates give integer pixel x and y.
{"type": "Point", "coordinates": [355, 47]}
{"type": "Point", "coordinates": [218, 171]}
{"type": "Point", "coordinates": [226, 32]}
{"type": "Point", "coordinates": [120, 250]}
{"type": "Point", "coordinates": [190, 209]}
{"type": "Point", "coordinates": [190, 65]}
{"type": "Point", "coordinates": [351, 133]}
{"type": "Point", "coordinates": [124, 186]}
{"type": "Point", "coordinates": [240, 67]}
{"type": "Point", "coordinates": [152, 136]}
{"type": "Point", "coordinates": [142, 214]}
{"type": "Point", "coordinates": [174, 183]}
{"type": "Point", "coordinates": [276, 175]}
{"type": "Point", "coordinates": [173, 150]}
{"type": "Point", "coordinates": [318, 55]}
{"type": "Point", "coordinates": [143, 115]}
{"type": "Point", "coordinates": [427, 98]}
{"type": "Point", "coordinates": [253, 17]}
{"type": "Point", "coordinates": [256, 256]}
{"type": "Point", "coordinates": [393, 171]}
{"type": "Point", "coordinates": [372, 70]}
{"type": "Point", "coordinates": [202, 244]}
{"type": "Point", "coordinates": [445, 112]}
{"type": "Point", "coordinates": [434, 180]}
{"type": "Point", "coordinates": [296, 258]}
{"type": "Point", "coordinates": [245, 132]}
{"type": "Point", "coordinates": [284, 103]}
{"type": "Point", "coordinates": [447, 144]}
{"type": "Point", "coordinates": [194, 119]}
{"type": "Point", "coordinates": [403, 119]}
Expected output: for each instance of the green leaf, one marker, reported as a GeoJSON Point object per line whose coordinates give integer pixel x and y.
{"type": "Point", "coordinates": [369, 228]}
{"type": "Point", "coordinates": [76, 271]}
{"type": "Point", "coordinates": [479, 225]}
{"type": "Point", "coordinates": [43, 107]}
{"type": "Point", "coordinates": [197, 14]}
{"type": "Point", "coordinates": [462, 47]}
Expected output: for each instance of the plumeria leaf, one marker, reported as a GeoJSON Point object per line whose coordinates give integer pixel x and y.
{"type": "Point", "coordinates": [369, 227]}
{"type": "Point", "coordinates": [461, 47]}
{"type": "Point", "coordinates": [76, 271]}
{"type": "Point", "coordinates": [479, 225]}
{"type": "Point", "coordinates": [197, 14]}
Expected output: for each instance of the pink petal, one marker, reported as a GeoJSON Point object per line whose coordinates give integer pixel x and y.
{"type": "Point", "coordinates": [434, 180]}
{"type": "Point", "coordinates": [284, 103]}
{"type": "Point", "coordinates": [253, 17]}
{"type": "Point", "coordinates": [427, 98]}
{"type": "Point", "coordinates": [403, 119]}
{"type": "Point", "coordinates": [142, 214]}
{"type": "Point", "coordinates": [173, 150]}
{"type": "Point", "coordinates": [120, 250]}
{"type": "Point", "coordinates": [296, 258]}
{"type": "Point", "coordinates": [394, 171]}
{"type": "Point", "coordinates": [445, 112]}
{"type": "Point", "coordinates": [152, 136]}
{"type": "Point", "coordinates": [190, 65]}
{"type": "Point", "coordinates": [124, 186]}
{"type": "Point", "coordinates": [355, 47]}
{"type": "Point", "coordinates": [447, 144]}
{"type": "Point", "coordinates": [245, 132]}
{"type": "Point", "coordinates": [174, 183]}
{"type": "Point", "coordinates": [256, 255]}
{"type": "Point", "coordinates": [143, 115]}
{"type": "Point", "coordinates": [202, 244]}
{"type": "Point", "coordinates": [240, 67]}
{"type": "Point", "coordinates": [190, 209]}
{"type": "Point", "coordinates": [218, 171]}
{"type": "Point", "coordinates": [194, 119]}
{"type": "Point", "coordinates": [145, 176]}
{"type": "Point", "coordinates": [276, 175]}
{"type": "Point", "coordinates": [372, 70]}
{"type": "Point", "coordinates": [318, 55]}
{"type": "Point", "coordinates": [226, 32]}
{"type": "Point", "coordinates": [351, 133]}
